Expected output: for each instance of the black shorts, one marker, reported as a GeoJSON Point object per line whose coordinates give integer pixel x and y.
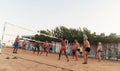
{"type": "Point", "coordinates": [78, 49]}
{"type": "Point", "coordinates": [73, 52]}
{"type": "Point", "coordinates": [99, 51]}
{"type": "Point", "coordinates": [87, 49]}
{"type": "Point", "coordinates": [81, 52]}
{"type": "Point", "coordinates": [50, 49]}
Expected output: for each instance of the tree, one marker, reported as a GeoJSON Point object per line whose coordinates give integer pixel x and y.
{"type": "Point", "coordinates": [71, 34]}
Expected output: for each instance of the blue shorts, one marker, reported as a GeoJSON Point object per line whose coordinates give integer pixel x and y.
{"type": "Point", "coordinates": [15, 44]}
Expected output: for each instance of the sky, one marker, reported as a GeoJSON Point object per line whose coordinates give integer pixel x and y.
{"type": "Point", "coordinates": [100, 16]}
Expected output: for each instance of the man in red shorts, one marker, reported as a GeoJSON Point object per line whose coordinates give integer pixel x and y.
{"type": "Point", "coordinates": [24, 43]}
{"type": "Point", "coordinates": [63, 48]}
{"type": "Point", "coordinates": [45, 48]}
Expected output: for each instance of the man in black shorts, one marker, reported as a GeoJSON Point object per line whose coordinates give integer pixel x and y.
{"type": "Point", "coordinates": [87, 50]}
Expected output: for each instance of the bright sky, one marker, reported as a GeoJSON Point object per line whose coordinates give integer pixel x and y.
{"type": "Point", "coordinates": [100, 16]}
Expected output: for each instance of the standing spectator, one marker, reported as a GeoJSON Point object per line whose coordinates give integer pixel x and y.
{"type": "Point", "coordinates": [81, 50]}
{"type": "Point", "coordinates": [99, 51]}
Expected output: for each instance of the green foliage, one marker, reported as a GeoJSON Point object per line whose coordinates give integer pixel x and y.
{"type": "Point", "coordinates": [71, 34]}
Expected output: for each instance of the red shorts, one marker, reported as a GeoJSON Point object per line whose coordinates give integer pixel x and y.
{"type": "Point", "coordinates": [24, 45]}
{"type": "Point", "coordinates": [63, 48]}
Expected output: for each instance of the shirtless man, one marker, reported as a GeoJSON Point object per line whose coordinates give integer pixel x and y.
{"type": "Point", "coordinates": [87, 50]}
{"type": "Point", "coordinates": [16, 45]}
{"type": "Point", "coordinates": [44, 48]}
{"type": "Point", "coordinates": [24, 44]}
{"type": "Point", "coordinates": [63, 48]}
{"type": "Point", "coordinates": [76, 45]}
{"type": "Point", "coordinates": [99, 51]}
{"type": "Point", "coordinates": [36, 47]}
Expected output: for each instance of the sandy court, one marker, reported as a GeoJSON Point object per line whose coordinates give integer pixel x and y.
{"type": "Point", "coordinates": [26, 61]}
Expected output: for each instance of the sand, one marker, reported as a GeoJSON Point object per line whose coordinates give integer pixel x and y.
{"type": "Point", "coordinates": [26, 61]}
